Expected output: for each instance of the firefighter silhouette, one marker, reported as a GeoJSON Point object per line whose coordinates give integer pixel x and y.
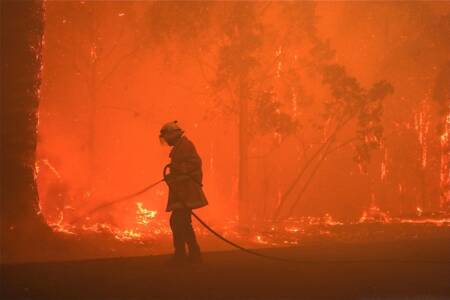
{"type": "Point", "coordinates": [185, 191]}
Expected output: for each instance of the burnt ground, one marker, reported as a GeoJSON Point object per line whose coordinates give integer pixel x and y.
{"type": "Point", "coordinates": [414, 269]}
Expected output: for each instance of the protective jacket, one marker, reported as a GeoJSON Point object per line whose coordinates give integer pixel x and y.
{"type": "Point", "coordinates": [185, 177]}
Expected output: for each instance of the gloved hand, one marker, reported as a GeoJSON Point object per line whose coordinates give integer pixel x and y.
{"type": "Point", "coordinates": [169, 178]}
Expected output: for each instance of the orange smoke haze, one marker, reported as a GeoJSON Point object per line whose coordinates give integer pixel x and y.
{"type": "Point", "coordinates": [114, 72]}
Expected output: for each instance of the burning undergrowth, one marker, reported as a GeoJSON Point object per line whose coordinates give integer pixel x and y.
{"type": "Point", "coordinates": [326, 125]}
{"type": "Point", "coordinates": [374, 225]}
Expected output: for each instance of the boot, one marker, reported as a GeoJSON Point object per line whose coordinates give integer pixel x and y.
{"type": "Point", "coordinates": [176, 260]}
{"type": "Point", "coordinates": [195, 258]}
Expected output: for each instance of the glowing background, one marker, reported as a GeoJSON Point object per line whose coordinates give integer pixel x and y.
{"type": "Point", "coordinates": [111, 78]}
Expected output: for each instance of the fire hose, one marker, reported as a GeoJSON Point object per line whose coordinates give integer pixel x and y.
{"type": "Point", "coordinates": [203, 223]}
{"type": "Point", "coordinates": [249, 251]}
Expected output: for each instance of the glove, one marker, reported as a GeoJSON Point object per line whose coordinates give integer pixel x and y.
{"type": "Point", "coordinates": [169, 178]}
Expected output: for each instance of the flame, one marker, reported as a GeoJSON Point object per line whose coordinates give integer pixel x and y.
{"type": "Point", "coordinates": [288, 232]}
{"type": "Point", "coordinates": [445, 164]}
{"type": "Point", "coordinates": [55, 172]}
{"type": "Point", "coordinates": [61, 226]}
{"type": "Point", "coordinates": [144, 229]}
{"type": "Point", "coordinates": [259, 239]}
{"type": "Point", "coordinates": [144, 215]}
{"type": "Point", "coordinates": [422, 125]}
{"type": "Point", "coordinates": [374, 215]}
{"type": "Point", "coordinates": [383, 171]}
{"type": "Point", "coordinates": [128, 234]}
{"type": "Point", "coordinates": [419, 211]}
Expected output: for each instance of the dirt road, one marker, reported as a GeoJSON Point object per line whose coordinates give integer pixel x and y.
{"type": "Point", "coordinates": [394, 270]}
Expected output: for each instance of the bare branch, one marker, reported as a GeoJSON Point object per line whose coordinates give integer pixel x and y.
{"type": "Point", "coordinates": [120, 61]}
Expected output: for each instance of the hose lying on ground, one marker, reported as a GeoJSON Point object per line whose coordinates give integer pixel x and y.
{"type": "Point", "coordinates": [249, 251]}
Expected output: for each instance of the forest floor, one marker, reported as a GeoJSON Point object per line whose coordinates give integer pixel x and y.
{"type": "Point", "coordinates": [412, 269]}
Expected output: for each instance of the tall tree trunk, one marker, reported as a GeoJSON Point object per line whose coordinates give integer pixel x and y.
{"type": "Point", "coordinates": [313, 158]}
{"type": "Point", "coordinates": [243, 154]}
{"type": "Point", "coordinates": [441, 96]}
{"type": "Point", "coordinates": [91, 149]}
{"type": "Point", "coordinates": [445, 165]}
{"type": "Point", "coordinates": [21, 38]}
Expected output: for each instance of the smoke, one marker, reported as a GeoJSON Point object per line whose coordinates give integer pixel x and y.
{"type": "Point", "coordinates": [113, 73]}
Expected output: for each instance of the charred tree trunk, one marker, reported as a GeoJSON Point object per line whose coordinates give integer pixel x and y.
{"type": "Point", "coordinates": [21, 38]}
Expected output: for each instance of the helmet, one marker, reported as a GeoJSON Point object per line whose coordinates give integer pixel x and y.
{"type": "Point", "coordinates": [170, 133]}
{"type": "Point", "coordinates": [169, 128]}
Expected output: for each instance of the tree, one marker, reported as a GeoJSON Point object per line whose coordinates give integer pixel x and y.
{"type": "Point", "coordinates": [237, 41]}
{"type": "Point", "coordinates": [21, 36]}
{"type": "Point", "coordinates": [104, 47]}
{"type": "Point", "coordinates": [261, 66]}
{"type": "Point", "coordinates": [416, 117]}
{"type": "Point", "coordinates": [442, 97]}
{"type": "Point", "coordinates": [349, 101]}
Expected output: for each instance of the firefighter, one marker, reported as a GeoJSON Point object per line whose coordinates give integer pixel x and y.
{"type": "Point", "coordinates": [185, 192]}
